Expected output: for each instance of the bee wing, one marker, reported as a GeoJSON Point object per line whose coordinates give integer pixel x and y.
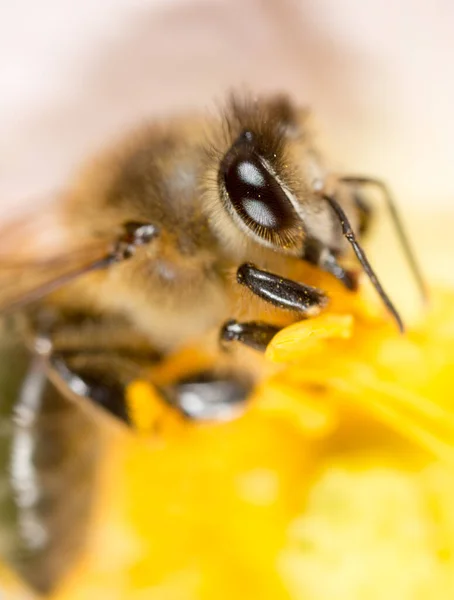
{"type": "Point", "coordinates": [40, 255]}
{"type": "Point", "coordinates": [22, 283]}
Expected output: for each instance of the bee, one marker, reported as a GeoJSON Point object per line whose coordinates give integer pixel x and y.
{"type": "Point", "coordinates": [147, 251]}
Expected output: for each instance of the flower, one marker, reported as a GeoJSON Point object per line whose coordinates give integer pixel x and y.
{"type": "Point", "coordinates": [337, 482]}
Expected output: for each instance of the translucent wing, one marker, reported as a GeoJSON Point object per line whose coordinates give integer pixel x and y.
{"type": "Point", "coordinates": [40, 255]}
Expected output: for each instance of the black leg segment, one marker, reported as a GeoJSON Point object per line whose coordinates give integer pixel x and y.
{"type": "Point", "coordinates": [101, 388]}
{"type": "Point", "coordinates": [208, 396]}
{"type": "Point", "coordinates": [255, 334]}
{"type": "Point", "coordinates": [281, 292]}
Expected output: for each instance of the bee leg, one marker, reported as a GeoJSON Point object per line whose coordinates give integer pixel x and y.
{"type": "Point", "coordinates": [93, 361]}
{"type": "Point", "coordinates": [255, 334]}
{"type": "Point", "coordinates": [366, 213]}
{"type": "Point", "coordinates": [101, 379]}
{"type": "Point", "coordinates": [319, 255]}
{"type": "Point", "coordinates": [92, 358]}
{"type": "Point", "coordinates": [209, 396]}
{"type": "Point", "coordinates": [283, 293]}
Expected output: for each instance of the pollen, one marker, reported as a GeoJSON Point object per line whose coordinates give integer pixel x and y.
{"type": "Point", "coordinates": [144, 406]}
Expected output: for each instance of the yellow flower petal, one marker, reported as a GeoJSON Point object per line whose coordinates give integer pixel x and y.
{"type": "Point", "coordinates": [279, 401]}
{"type": "Point", "coordinates": [293, 342]}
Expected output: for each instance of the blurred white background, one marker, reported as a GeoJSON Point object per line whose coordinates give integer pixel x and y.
{"type": "Point", "coordinates": [379, 76]}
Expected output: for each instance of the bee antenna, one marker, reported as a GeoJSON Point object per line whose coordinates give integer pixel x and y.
{"type": "Point", "coordinates": [361, 255]}
{"type": "Point", "coordinates": [400, 229]}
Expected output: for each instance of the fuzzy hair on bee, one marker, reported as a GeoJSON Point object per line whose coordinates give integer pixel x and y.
{"type": "Point", "coordinates": [183, 232]}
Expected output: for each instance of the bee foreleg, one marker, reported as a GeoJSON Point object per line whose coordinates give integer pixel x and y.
{"type": "Point", "coordinates": [255, 334]}
{"type": "Point", "coordinates": [283, 293]}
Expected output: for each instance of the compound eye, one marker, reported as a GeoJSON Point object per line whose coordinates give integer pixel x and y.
{"type": "Point", "coordinates": [255, 194]}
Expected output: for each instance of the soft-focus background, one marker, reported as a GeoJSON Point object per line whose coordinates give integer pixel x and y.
{"type": "Point", "coordinates": [379, 76]}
